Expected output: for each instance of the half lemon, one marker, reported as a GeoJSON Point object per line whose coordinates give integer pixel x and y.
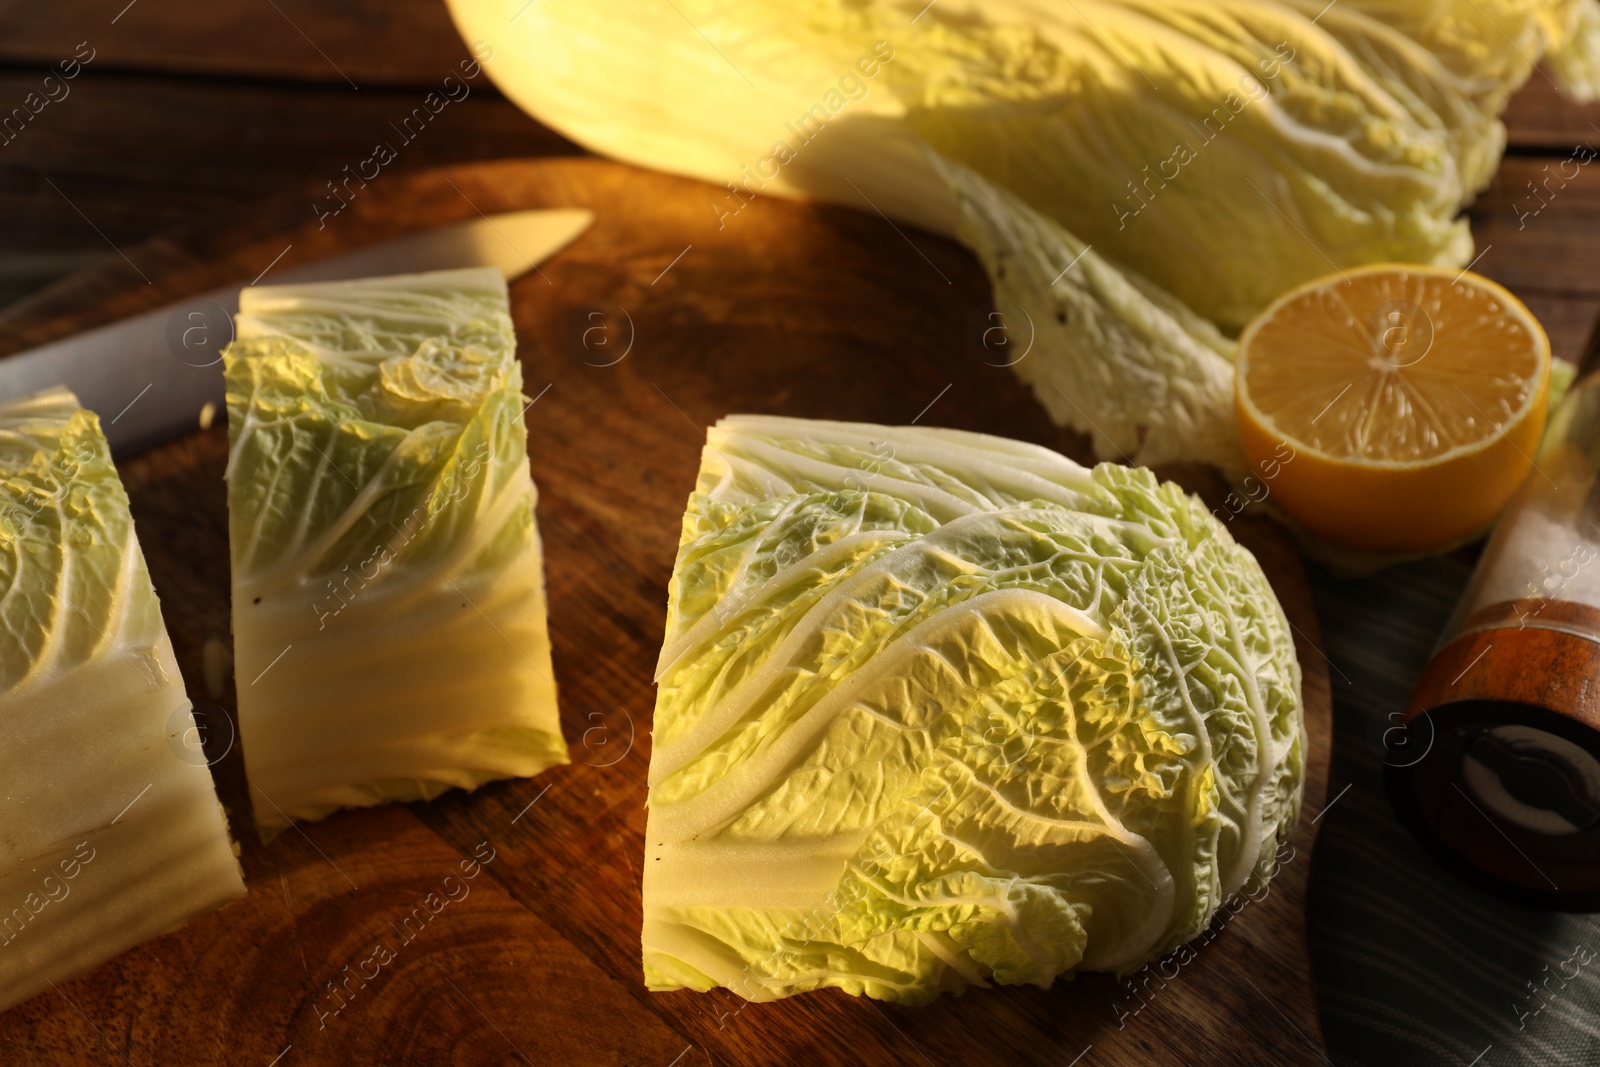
{"type": "Point", "coordinates": [1393, 408]}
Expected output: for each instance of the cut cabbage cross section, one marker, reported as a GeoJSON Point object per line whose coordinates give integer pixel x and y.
{"type": "Point", "coordinates": [938, 709]}
{"type": "Point", "coordinates": [388, 581]}
{"type": "Point", "coordinates": [110, 830]}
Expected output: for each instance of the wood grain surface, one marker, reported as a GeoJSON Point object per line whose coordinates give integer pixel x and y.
{"type": "Point", "coordinates": [650, 327]}
{"type": "Point", "coordinates": [351, 44]}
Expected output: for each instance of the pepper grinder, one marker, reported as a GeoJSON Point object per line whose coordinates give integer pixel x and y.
{"type": "Point", "coordinates": [1495, 762]}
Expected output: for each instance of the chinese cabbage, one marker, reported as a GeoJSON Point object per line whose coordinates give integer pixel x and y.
{"type": "Point", "coordinates": [388, 582]}
{"type": "Point", "coordinates": [938, 709]}
{"type": "Point", "coordinates": [113, 833]}
{"type": "Point", "coordinates": [1219, 152]}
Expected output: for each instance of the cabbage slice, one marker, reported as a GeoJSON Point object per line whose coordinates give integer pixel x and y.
{"type": "Point", "coordinates": [112, 831]}
{"type": "Point", "coordinates": [388, 580]}
{"type": "Point", "coordinates": [937, 709]}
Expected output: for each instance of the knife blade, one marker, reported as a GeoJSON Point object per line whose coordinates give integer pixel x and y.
{"type": "Point", "coordinates": [149, 376]}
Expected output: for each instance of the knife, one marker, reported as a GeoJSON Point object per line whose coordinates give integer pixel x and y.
{"type": "Point", "coordinates": [150, 376]}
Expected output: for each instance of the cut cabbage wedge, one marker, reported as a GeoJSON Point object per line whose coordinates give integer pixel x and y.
{"type": "Point", "coordinates": [938, 709]}
{"type": "Point", "coordinates": [112, 832]}
{"type": "Point", "coordinates": [388, 581]}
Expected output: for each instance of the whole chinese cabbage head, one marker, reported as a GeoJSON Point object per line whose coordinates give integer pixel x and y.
{"type": "Point", "coordinates": [1213, 153]}
{"type": "Point", "coordinates": [938, 709]}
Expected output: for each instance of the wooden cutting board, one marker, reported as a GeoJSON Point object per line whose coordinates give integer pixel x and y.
{"type": "Point", "coordinates": [652, 325]}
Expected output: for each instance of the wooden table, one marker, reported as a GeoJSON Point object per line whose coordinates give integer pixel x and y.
{"type": "Point", "coordinates": [186, 113]}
